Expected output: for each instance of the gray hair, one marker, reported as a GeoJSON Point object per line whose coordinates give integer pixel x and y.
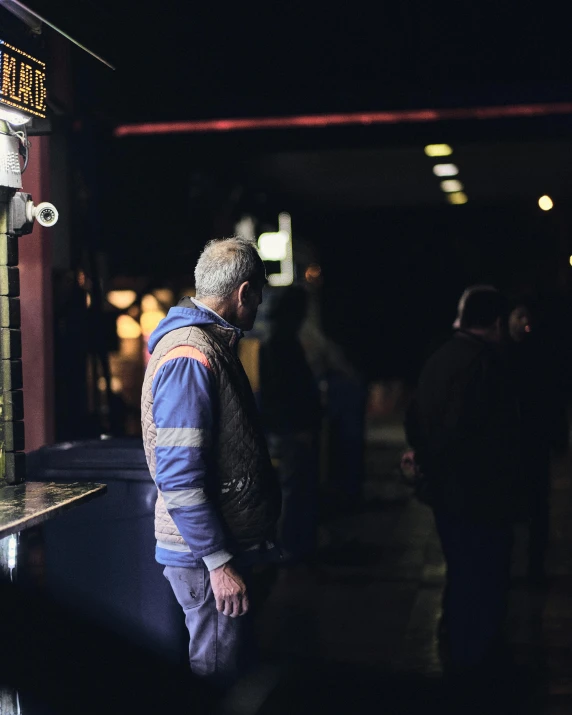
{"type": "Point", "coordinates": [226, 263]}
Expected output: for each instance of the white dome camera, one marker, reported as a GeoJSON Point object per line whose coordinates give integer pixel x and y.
{"type": "Point", "coordinates": [46, 214]}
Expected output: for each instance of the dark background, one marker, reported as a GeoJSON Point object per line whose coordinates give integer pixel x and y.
{"type": "Point", "coordinates": [395, 256]}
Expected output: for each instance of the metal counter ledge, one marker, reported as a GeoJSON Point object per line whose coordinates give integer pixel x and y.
{"type": "Point", "coordinates": [31, 503]}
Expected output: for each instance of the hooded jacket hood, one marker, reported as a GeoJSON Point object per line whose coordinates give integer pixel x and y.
{"type": "Point", "coordinates": [182, 317]}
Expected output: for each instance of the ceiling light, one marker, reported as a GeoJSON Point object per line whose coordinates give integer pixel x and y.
{"type": "Point", "coordinates": [457, 198]}
{"type": "Point", "coordinates": [445, 170]}
{"type": "Point", "coordinates": [545, 203]}
{"type": "Point", "coordinates": [450, 185]}
{"type": "Point", "coordinates": [438, 150]}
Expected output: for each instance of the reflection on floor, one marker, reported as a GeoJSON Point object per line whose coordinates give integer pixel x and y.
{"type": "Point", "coordinates": [359, 629]}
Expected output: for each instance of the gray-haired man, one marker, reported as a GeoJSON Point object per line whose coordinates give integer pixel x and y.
{"type": "Point", "coordinates": [218, 498]}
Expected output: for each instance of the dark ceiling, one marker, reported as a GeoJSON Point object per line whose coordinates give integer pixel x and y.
{"type": "Point", "coordinates": [492, 173]}
{"type": "Point", "coordinates": [178, 59]}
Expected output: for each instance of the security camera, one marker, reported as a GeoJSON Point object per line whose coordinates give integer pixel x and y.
{"type": "Point", "coordinates": [46, 214]}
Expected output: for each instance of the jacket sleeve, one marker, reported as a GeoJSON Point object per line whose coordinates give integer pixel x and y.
{"type": "Point", "coordinates": [183, 391]}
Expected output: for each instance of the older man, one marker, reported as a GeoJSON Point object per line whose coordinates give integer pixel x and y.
{"type": "Point", "coordinates": [218, 498]}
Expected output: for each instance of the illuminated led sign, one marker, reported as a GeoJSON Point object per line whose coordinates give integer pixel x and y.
{"type": "Point", "coordinates": [22, 81]}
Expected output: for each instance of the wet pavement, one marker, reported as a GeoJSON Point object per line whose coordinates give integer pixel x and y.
{"type": "Point", "coordinates": [358, 629]}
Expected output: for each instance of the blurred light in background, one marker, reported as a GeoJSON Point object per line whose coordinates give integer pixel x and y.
{"type": "Point", "coordinates": [457, 198]}
{"type": "Point", "coordinates": [121, 299]}
{"type": "Point", "coordinates": [545, 203]}
{"type": "Point", "coordinates": [313, 273]}
{"type": "Point", "coordinates": [149, 303]}
{"type": "Point", "coordinates": [116, 384]}
{"type": "Point", "coordinates": [451, 185]}
{"type": "Point", "coordinates": [273, 246]}
{"type": "Point", "coordinates": [445, 170]}
{"type": "Point", "coordinates": [246, 228]}
{"type": "Point", "coordinates": [150, 319]}
{"type": "Point", "coordinates": [12, 551]}
{"type": "Point", "coordinates": [165, 296]}
{"type": "Point", "coordinates": [127, 327]}
{"type": "Point", "coordinates": [571, 260]}
{"type": "Point", "coordinates": [438, 150]}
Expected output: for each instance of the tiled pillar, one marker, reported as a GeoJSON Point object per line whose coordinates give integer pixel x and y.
{"type": "Point", "coordinates": [11, 397]}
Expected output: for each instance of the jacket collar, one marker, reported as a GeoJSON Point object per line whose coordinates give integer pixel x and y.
{"type": "Point", "coordinates": [230, 333]}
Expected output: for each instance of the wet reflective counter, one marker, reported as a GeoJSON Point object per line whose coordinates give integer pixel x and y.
{"type": "Point", "coordinates": [31, 503]}
{"type": "Point", "coordinates": [27, 505]}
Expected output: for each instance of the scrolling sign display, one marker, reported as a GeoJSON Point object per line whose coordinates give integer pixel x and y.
{"type": "Point", "coordinates": [22, 81]}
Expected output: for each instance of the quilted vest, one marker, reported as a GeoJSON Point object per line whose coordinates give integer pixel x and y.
{"type": "Point", "coordinates": [243, 484]}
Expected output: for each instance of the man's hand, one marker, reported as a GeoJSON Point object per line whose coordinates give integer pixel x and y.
{"type": "Point", "coordinates": [229, 591]}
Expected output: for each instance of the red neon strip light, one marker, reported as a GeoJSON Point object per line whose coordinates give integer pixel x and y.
{"type": "Point", "coordinates": [332, 120]}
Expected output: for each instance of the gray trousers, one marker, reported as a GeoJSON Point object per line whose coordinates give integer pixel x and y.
{"type": "Point", "coordinates": [221, 648]}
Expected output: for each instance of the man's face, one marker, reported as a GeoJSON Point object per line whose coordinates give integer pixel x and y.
{"type": "Point", "coordinates": [519, 323]}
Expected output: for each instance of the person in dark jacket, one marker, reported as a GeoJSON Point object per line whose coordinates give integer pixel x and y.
{"type": "Point", "coordinates": [464, 428]}
{"type": "Point", "coordinates": [543, 418]}
{"type": "Point", "coordinates": [291, 414]}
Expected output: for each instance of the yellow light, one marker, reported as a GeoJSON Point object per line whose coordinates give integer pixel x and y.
{"type": "Point", "coordinates": [127, 327]}
{"type": "Point", "coordinates": [457, 197]}
{"type": "Point", "coordinates": [165, 296]}
{"type": "Point", "coordinates": [438, 150]}
{"type": "Point", "coordinates": [545, 203]}
{"type": "Point", "coordinates": [121, 299]}
{"type": "Point", "coordinates": [116, 384]}
{"type": "Point", "coordinates": [571, 260]}
{"type": "Point", "coordinates": [450, 185]}
{"type": "Point", "coordinates": [445, 170]}
{"type": "Point", "coordinates": [150, 319]}
{"type": "Point", "coordinates": [149, 303]}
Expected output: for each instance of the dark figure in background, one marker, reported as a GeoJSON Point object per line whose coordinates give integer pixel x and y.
{"type": "Point", "coordinates": [464, 429]}
{"type": "Point", "coordinates": [291, 413]}
{"type": "Point", "coordinates": [442, 338]}
{"type": "Point", "coordinates": [544, 423]}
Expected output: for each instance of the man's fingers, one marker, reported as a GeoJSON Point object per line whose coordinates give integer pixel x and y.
{"type": "Point", "coordinates": [245, 603]}
{"type": "Point", "coordinates": [227, 606]}
{"type": "Point", "coordinates": [220, 604]}
{"type": "Point", "coordinates": [236, 606]}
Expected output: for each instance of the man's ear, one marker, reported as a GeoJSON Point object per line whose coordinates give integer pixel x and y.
{"type": "Point", "coordinates": [244, 292]}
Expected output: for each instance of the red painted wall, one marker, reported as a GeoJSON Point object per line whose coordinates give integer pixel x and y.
{"type": "Point", "coordinates": [36, 307]}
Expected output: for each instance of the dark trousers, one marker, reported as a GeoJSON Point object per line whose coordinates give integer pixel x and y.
{"type": "Point", "coordinates": [539, 532]}
{"type": "Point", "coordinates": [478, 575]}
{"type": "Point", "coordinates": [298, 470]}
